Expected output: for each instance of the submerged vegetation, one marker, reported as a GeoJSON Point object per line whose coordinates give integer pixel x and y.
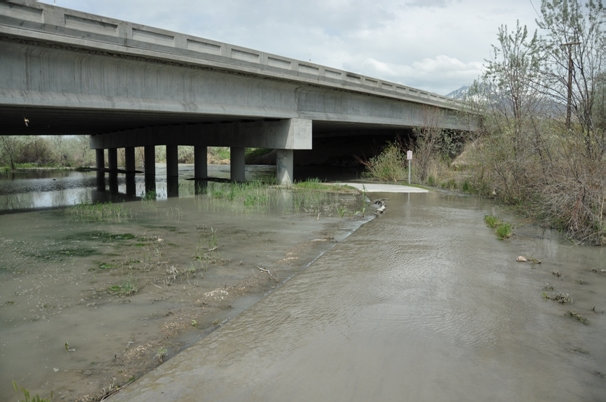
{"type": "Point", "coordinates": [310, 196]}
{"type": "Point", "coordinates": [27, 395]}
{"type": "Point", "coordinates": [98, 212]}
{"type": "Point", "coordinates": [502, 229]}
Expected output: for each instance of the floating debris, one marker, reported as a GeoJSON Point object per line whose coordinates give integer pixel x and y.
{"type": "Point", "coordinates": [378, 206]}
{"type": "Point", "coordinates": [562, 298]}
{"type": "Point", "coordinates": [531, 260]}
{"type": "Point", "coordinates": [578, 317]}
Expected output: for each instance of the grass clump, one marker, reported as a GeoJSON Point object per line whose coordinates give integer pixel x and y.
{"type": "Point", "coordinates": [98, 212]}
{"type": "Point", "coordinates": [502, 229]}
{"type": "Point", "coordinates": [492, 221]}
{"type": "Point", "coordinates": [126, 288]}
{"type": "Point", "coordinates": [28, 397]}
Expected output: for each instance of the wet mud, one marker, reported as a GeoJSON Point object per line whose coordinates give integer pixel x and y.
{"type": "Point", "coordinates": [93, 297]}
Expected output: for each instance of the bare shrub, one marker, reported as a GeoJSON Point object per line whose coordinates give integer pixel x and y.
{"type": "Point", "coordinates": [389, 165]}
{"type": "Point", "coordinates": [573, 197]}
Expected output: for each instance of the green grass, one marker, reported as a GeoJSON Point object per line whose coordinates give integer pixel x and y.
{"type": "Point", "coordinates": [492, 221]}
{"type": "Point", "coordinates": [61, 253]}
{"type": "Point", "coordinates": [28, 397]}
{"type": "Point", "coordinates": [502, 230]}
{"type": "Point", "coordinates": [310, 196]}
{"type": "Point", "coordinates": [98, 212]}
{"type": "Point", "coordinates": [104, 266]}
{"type": "Point", "coordinates": [126, 288]}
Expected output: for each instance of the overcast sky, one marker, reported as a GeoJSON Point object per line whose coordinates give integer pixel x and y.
{"type": "Point", "coordinates": [435, 45]}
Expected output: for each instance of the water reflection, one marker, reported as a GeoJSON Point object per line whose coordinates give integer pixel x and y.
{"type": "Point", "coordinates": [35, 189]}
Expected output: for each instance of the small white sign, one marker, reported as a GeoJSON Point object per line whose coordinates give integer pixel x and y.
{"type": "Point", "coordinates": [409, 155]}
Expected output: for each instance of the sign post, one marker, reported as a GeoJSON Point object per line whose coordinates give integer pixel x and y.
{"type": "Point", "coordinates": [409, 158]}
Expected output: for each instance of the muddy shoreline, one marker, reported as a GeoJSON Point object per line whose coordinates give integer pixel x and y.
{"type": "Point", "coordinates": [88, 306]}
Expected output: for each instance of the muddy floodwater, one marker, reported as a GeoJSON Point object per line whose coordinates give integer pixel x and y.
{"type": "Point", "coordinates": [95, 295]}
{"type": "Point", "coordinates": [298, 300]}
{"type": "Point", "coordinates": [421, 304]}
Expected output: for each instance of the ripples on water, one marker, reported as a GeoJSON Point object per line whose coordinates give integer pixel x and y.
{"type": "Point", "coordinates": [423, 303]}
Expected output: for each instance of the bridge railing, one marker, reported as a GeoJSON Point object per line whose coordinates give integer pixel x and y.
{"type": "Point", "coordinates": [42, 21]}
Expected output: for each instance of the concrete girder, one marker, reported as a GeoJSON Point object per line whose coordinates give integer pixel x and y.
{"type": "Point", "coordinates": [275, 134]}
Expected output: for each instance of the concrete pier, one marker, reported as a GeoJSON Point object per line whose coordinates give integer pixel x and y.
{"type": "Point", "coordinates": [150, 168]}
{"type": "Point", "coordinates": [284, 166]}
{"type": "Point", "coordinates": [200, 162]}
{"type": "Point", "coordinates": [172, 170]}
{"type": "Point", "coordinates": [237, 164]}
{"type": "Point", "coordinates": [100, 159]}
{"type": "Point", "coordinates": [129, 160]}
{"type": "Point", "coordinates": [112, 156]}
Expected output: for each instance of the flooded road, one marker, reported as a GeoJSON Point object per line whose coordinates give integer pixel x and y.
{"type": "Point", "coordinates": [421, 304]}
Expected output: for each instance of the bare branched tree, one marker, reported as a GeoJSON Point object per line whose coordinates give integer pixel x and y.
{"type": "Point", "coordinates": [9, 149]}
{"type": "Point", "coordinates": [575, 47]}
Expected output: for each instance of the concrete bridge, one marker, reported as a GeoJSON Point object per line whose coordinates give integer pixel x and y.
{"type": "Point", "coordinates": [128, 85]}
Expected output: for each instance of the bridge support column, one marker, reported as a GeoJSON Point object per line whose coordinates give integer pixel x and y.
{"type": "Point", "coordinates": [172, 170]}
{"type": "Point", "coordinates": [237, 164]}
{"type": "Point", "coordinates": [150, 168]}
{"type": "Point", "coordinates": [112, 157]}
{"type": "Point", "coordinates": [100, 159]}
{"type": "Point", "coordinates": [129, 161]}
{"type": "Point", "coordinates": [200, 162]}
{"type": "Point", "coordinates": [284, 166]}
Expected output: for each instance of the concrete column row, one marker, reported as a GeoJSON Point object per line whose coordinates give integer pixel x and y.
{"type": "Point", "coordinates": [237, 167]}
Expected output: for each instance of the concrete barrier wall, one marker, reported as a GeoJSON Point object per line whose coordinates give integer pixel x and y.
{"type": "Point", "coordinates": [38, 21]}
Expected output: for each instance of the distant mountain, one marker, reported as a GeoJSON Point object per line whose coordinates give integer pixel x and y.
{"type": "Point", "coordinates": [542, 104]}
{"type": "Point", "coordinates": [460, 93]}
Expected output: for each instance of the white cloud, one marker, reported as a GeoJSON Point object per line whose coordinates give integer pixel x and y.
{"type": "Point", "coordinates": [436, 45]}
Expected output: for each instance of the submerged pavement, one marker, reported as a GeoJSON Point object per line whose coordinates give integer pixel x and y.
{"type": "Point", "coordinates": [406, 308]}
{"type": "Point", "coordinates": [384, 188]}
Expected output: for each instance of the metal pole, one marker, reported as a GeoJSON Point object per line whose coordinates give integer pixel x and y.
{"type": "Point", "coordinates": [570, 69]}
{"type": "Point", "coordinates": [409, 168]}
